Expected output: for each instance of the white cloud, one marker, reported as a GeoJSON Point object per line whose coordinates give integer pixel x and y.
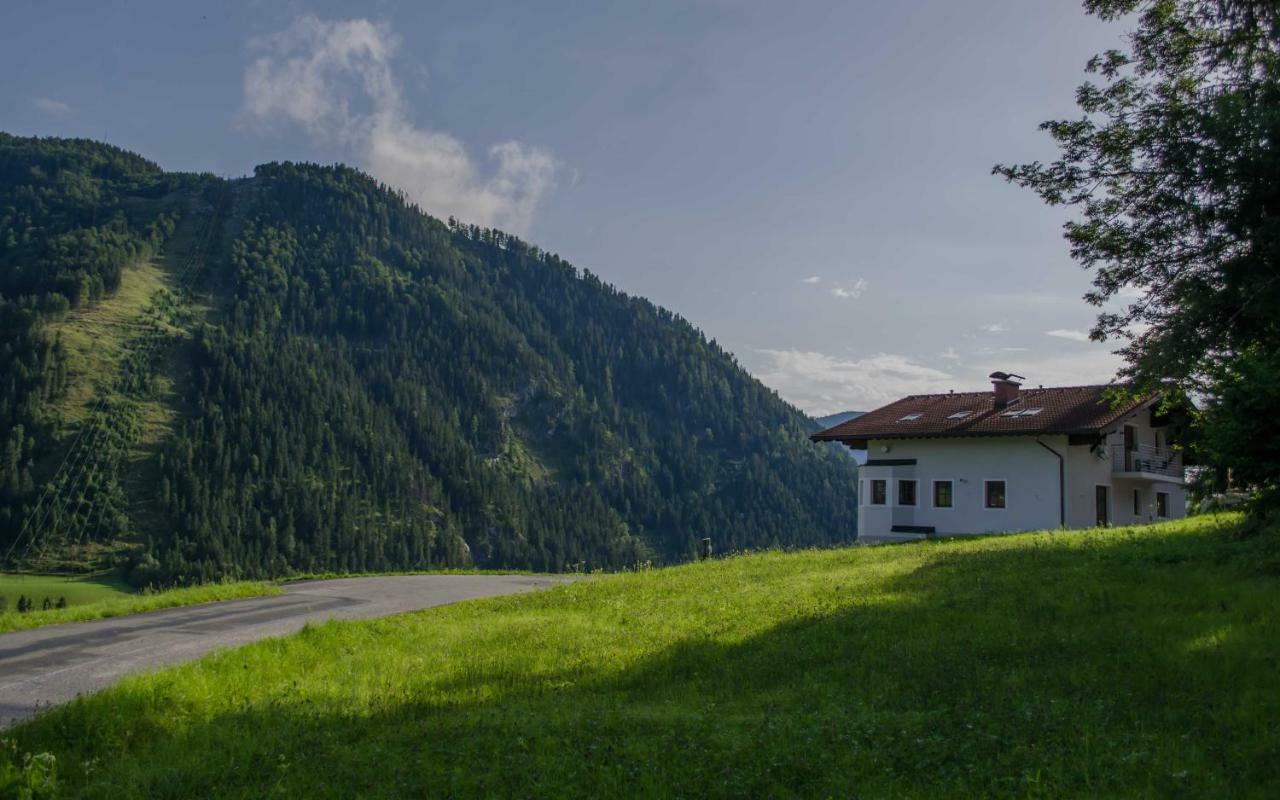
{"type": "Point", "coordinates": [1130, 293]}
{"type": "Point", "coordinates": [51, 106]}
{"type": "Point", "coordinates": [1093, 365]}
{"type": "Point", "coordinates": [812, 279]}
{"type": "Point", "coordinates": [994, 327]}
{"type": "Point", "coordinates": [853, 291]}
{"type": "Point", "coordinates": [824, 384]}
{"type": "Point", "coordinates": [1068, 333]}
{"type": "Point", "coordinates": [335, 80]}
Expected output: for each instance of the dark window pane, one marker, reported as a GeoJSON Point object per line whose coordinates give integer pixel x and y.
{"type": "Point", "coordinates": [878, 493]}
{"type": "Point", "coordinates": [942, 494]}
{"type": "Point", "coordinates": [906, 493]}
{"type": "Point", "coordinates": [995, 494]}
{"type": "Point", "coordinates": [1162, 504]}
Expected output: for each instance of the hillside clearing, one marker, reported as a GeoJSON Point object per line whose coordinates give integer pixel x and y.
{"type": "Point", "coordinates": [1135, 661]}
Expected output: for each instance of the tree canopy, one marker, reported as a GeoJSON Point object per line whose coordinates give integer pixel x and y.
{"type": "Point", "coordinates": [1174, 171]}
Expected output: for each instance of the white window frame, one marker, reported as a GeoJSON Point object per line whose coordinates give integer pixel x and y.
{"type": "Point", "coordinates": [871, 495]}
{"type": "Point", "coordinates": [933, 494]}
{"type": "Point", "coordinates": [986, 507]}
{"type": "Point", "coordinates": [897, 482]}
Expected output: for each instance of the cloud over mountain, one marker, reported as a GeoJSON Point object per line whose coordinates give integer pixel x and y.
{"type": "Point", "coordinates": [335, 80]}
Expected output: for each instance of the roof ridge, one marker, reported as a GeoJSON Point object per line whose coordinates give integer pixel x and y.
{"type": "Point", "coordinates": [1051, 409]}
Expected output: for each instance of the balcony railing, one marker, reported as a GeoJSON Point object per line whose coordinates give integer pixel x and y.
{"type": "Point", "coordinates": [1149, 460]}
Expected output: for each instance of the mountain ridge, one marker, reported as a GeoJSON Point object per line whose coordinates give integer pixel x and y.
{"type": "Point", "coordinates": [365, 387]}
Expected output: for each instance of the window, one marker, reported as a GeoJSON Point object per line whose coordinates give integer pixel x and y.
{"type": "Point", "coordinates": [906, 493]}
{"type": "Point", "coordinates": [995, 494]}
{"type": "Point", "coordinates": [1162, 504]}
{"type": "Point", "coordinates": [942, 494]}
{"type": "Point", "coordinates": [1137, 502]}
{"type": "Point", "coordinates": [912, 417]}
{"type": "Point", "coordinates": [878, 492]}
{"type": "Point", "coordinates": [959, 415]}
{"type": "Point", "coordinates": [1022, 412]}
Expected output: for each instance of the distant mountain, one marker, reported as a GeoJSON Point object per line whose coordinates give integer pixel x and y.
{"type": "Point", "coordinates": [301, 371]}
{"type": "Point", "coordinates": [832, 420]}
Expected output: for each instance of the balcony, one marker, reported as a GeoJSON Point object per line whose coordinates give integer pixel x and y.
{"type": "Point", "coordinates": [1148, 463]}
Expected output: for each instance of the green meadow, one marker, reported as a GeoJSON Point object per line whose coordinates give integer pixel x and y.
{"type": "Point", "coordinates": [94, 597]}
{"type": "Point", "coordinates": [77, 590]}
{"type": "Point", "coordinates": [1119, 662]}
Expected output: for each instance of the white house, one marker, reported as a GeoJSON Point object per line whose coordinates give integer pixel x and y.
{"type": "Point", "coordinates": [1012, 459]}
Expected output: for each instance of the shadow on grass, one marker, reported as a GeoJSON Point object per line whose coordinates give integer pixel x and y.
{"type": "Point", "coordinates": [1128, 666]}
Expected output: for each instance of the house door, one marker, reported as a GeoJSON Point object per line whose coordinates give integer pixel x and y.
{"type": "Point", "coordinates": [1100, 498]}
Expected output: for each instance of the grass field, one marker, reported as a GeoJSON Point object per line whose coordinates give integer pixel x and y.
{"type": "Point", "coordinates": [78, 590]}
{"type": "Point", "coordinates": [1130, 662]}
{"type": "Point", "coordinates": [104, 596]}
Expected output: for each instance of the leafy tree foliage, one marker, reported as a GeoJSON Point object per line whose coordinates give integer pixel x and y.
{"type": "Point", "coordinates": [374, 389]}
{"type": "Point", "coordinates": [1173, 168]}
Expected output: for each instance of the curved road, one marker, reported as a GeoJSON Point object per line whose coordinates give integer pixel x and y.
{"type": "Point", "coordinates": [51, 665]}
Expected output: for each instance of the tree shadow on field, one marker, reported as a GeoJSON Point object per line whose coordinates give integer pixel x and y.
{"type": "Point", "coordinates": [1125, 667]}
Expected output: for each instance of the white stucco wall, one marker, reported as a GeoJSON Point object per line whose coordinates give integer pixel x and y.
{"type": "Point", "coordinates": [1087, 470]}
{"type": "Point", "coordinates": [1147, 490]}
{"type": "Point", "coordinates": [1029, 471]}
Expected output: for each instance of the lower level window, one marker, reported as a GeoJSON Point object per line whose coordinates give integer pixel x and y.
{"type": "Point", "coordinates": [995, 494]}
{"type": "Point", "coordinates": [906, 493]}
{"type": "Point", "coordinates": [1162, 504]}
{"type": "Point", "coordinates": [942, 494]}
{"type": "Point", "coordinates": [878, 492]}
{"type": "Point", "coordinates": [1137, 502]}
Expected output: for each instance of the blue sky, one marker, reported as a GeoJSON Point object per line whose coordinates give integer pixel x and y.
{"type": "Point", "coordinates": [809, 183]}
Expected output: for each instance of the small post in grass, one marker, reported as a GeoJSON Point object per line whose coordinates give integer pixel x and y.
{"type": "Point", "coordinates": [705, 552]}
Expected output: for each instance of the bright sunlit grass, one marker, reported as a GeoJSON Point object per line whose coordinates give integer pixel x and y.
{"type": "Point", "coordinates": [1125, 662]}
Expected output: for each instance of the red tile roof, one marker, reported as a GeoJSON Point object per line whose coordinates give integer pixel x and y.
{"type": "Point", "coordinates": [1062, 410]}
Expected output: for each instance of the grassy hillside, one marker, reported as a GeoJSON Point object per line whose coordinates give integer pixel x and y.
{"type": "Point", "coordinates": [77, 590]}
{"type": "Point", "coordinates": [1134, 662]}
{"type": "Point", "coordinates": [95, 597]}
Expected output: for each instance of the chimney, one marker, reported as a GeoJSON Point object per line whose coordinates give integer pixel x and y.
{"type": "Point", "coordinates": [1005, 387]}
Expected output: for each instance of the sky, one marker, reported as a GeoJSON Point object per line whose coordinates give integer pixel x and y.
{"type": "Point", "coordinates": [808, 183]}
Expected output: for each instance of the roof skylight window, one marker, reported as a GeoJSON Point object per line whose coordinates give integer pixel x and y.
{"type": "Point", "coordinates": [959, 415]}
{"type": "Point", "coordinates": [1022, 412]}
{"type": "Point", "coordinates": [912, 417]}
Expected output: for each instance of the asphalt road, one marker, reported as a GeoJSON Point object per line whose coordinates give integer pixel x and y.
{"type": "Point", "coordinates": [47, 666]}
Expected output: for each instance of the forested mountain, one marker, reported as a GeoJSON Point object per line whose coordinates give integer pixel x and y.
{"type": "Point", "coordinates": [332, 380]}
